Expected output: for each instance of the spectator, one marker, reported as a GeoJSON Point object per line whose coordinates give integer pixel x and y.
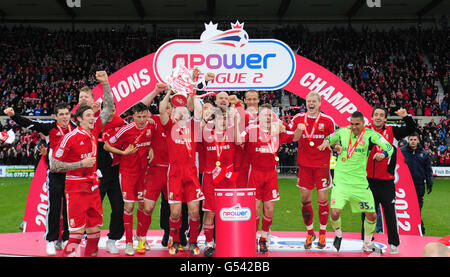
{"type": "Point", "coordinates": [386, 67]}
{"type": "Point", "coordinates": [419, 165]}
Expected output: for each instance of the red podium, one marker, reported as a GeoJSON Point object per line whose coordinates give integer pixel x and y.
{"type": "Point", "coordinates": [235, 222]}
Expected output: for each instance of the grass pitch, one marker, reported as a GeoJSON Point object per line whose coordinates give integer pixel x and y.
{"type": "Point", "coordinates": [287, 214]}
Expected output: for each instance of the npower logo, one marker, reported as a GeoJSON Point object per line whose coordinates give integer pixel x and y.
{"type": "Point", "coordinates": [239, 63]}
{"type": "Point", "coordinates": [236, 213]}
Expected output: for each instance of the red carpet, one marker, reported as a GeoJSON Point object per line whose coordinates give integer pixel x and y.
{"type": "Point", "coordinates": [283, 244]}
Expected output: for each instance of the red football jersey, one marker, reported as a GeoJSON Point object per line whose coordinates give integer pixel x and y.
{"type": "Point", "coordinates": [181, 142]}
{"type": "Point", "coordinates": [106, 135]}
{"type": "Point", "coordinates": [159, 144]}
{"type": "Point", "coordinates": [262, 148]}
{"type": "Point", "coordinates": [308, 155]}
{"type": "Point", "coordinates": [130, 134]}
{"type": "Point", "coordinates": [75, 147]}
{"type": "Point", "coordinates": [218, 149]}
{"type": "Point", "coordinates": [56, 134]}
{"type": "Point", "coordinates": [200, 152]}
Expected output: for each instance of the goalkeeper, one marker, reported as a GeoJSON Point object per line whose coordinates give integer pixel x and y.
{"type": "Point", "coordinates": [350, 182]}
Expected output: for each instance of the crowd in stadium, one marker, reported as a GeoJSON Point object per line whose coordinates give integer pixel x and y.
{"type": "Point", "coordinates": [396, 68]}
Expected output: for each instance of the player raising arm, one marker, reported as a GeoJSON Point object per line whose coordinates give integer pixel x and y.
{"type": "Point", "coordinates": [54, 131]}
{"type": "Point", "coordinates": [76, 155]}
{"type": "Point", "coordinates": [183, 184]}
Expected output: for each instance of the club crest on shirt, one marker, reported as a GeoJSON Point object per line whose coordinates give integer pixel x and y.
{"type": "Point", "coordinates": [321, 126]}
{"type": "Point", "coordinates": [363, 142]}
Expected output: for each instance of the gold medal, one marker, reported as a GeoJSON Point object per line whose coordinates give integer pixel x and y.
{"type": "Point", "coordinates": [217, 163]}
{"type": "Point", "coordinates": [311, 143]}
{"type": "Point", "coordinates": [276, 158]}
{"type": "Point", "coordinates": [343, 159]}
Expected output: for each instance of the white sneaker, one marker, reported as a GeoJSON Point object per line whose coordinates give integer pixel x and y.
{"type": "Point", "coordinates": [129, 249]}
{"type": "Point", "coordinates": [369, 248]}
{"type": "Point", "coordinates": [393, 249]}
{"type": "Point", "coordinates": [111, 246]}
{"type": "Point", "coordinates": [51, 250]}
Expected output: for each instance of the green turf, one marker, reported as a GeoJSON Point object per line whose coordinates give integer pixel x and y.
{"type": "Point", "coordinates": [287, 216]}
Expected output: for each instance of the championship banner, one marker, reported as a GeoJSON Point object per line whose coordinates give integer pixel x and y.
{"type": "Point", "coordinates": [240, 64]}
{"type": "Point", "coordinates": [339, 101]}
{"type": "Point", "coordinates": [406, 203]}
{"type": "Point", "coordinates": [37, 202]}
{"type": "Point", "coordinates": [130, 84]}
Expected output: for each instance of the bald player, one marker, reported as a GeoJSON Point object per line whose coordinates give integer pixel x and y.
{"type": "Point", "coordinates": [435, 249]}
{"type": "Point", "coordinates": [222, 100]}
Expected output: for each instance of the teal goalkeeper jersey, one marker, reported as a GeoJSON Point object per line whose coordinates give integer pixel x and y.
{"type": "Point", "coordinates": [352, 171]}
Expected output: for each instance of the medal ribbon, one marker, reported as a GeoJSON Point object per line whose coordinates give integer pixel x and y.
{"type": "Point", "coordinates": [61, 129]}
{"type": "Point", "coordinates": [271, 146]}
{"type": "Point", "coordinates": [141, 134]}
{"type": "Point", "coordinates": [219, 149]}
{"type": "Point", "coordinates": [185, 135]}
{"type": "Point", "coordinates": [93, 140]}
{"type": "Point", "coordinates": [93, 178]}
{"type": "Point", "coordinates": [384, 134]}
{"type": "Point", "coordinates": [313, 130]}
{"type": "Point", "coordinates": [351, 148]}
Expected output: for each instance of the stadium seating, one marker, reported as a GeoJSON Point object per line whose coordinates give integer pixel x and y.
{"type": "Point", "coordinates": [391, 68]}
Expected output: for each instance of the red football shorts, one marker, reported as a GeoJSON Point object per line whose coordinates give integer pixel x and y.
{"type": "Point", "coordinates": [310, 177]}
{"type": "Point", "coordinates": [132, 186]}
{"type": "Point", "coordinates": [155, 181]}
{"type": "Point", "coordinates": [208, 190]}
{"type": "Point", "coordinates": [84, 210]}
{"type": "Point", "coordinates": [266, 184]}
{"type": "Point", "coordinates": [183, 184]}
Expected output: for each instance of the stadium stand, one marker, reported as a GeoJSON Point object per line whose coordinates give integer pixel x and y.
{"type": "Point", "coordinates": [391, 68]}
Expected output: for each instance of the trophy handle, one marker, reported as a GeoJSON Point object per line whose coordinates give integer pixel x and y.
{"type": "Point", "coordinates": [170, 89]}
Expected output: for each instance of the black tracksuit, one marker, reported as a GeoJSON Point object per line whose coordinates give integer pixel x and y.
{"type": "Point", "coordinates": [110, 185]}
{"type": "Point", "coordinates": [55, 181]}
{"type": "Point", "coordinates": [381, 178]}
{"type": "Point", "coordinates": [419, 164]}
